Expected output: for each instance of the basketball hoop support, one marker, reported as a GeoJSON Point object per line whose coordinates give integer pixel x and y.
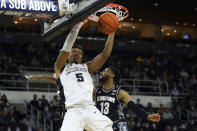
{"type": "Point", "coordinates": [51, 30]}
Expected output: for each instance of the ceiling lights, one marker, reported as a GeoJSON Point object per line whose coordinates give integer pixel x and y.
{"type": "Point", "coordinates": [140, 19]}
{"type": "Point", "coordinates": [131, 19]}
{"type": "Point", "coordinates": [156, 4]}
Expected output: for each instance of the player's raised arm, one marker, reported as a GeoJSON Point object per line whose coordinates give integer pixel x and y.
{"type": "Point", "coordinates": [44, 77]}
{"type": "Point", "coordinates": [126, 99]}
{"type": "Point", "coordinates": [100, 59]}
{"type": "Point", "coordinates": [67, 47]}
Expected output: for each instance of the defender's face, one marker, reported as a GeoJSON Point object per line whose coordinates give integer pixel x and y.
{"type": "Point", "coordinates": [75, 56]}
{"type": "Point", "coordinates": [106, 72]}
{"type": "Point", "coordinates": [106, 75]}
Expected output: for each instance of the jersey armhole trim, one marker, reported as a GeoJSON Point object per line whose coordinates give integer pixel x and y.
{"type": "Point", "coordinates": [118, 93]}
{"type": "Point", "coordinates": [96, 92]}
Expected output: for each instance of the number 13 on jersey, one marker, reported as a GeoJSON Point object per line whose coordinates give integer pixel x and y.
{"type": "Point", "coordinates": [104, 108]}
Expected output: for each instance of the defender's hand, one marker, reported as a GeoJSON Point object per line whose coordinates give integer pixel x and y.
{"type": "Point", "coordinates": [154, 117]}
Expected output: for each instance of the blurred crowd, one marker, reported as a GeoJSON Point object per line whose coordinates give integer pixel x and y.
{"type": "Point", "coordinates": [179, 73]}
{"type": "Point", "coordinates": [16, 55]}
{"type": "Point", "coordinates": [15, 117]}
{"type": "Point", "coordinates": [49, 110]}
{"type": "Point", "coordinates": [169, 120]}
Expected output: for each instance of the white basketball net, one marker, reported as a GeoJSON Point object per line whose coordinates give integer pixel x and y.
{"type": "Point", "coordinates": [118, 11]}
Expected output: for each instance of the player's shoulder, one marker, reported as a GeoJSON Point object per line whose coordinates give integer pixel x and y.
{"type": "Point", "coordinates": [98, 87]}
{"type": "Point", "coordinates": [120, 88]}
{"type": "Point", "coordinates": [122, 93]}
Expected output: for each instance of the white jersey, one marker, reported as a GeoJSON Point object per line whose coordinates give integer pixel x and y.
{"type": "Point", "coordinates": [77, 85]}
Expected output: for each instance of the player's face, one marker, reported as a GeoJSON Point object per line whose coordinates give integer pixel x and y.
{"type": "Point", "coordinates": [105, 72]}
{"type": "Point", "coordinates": [75, 56]}
{"type": "Point", "coordinates": [106, 75]}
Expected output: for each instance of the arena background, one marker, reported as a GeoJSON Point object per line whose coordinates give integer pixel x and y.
{"type": "Point", "coordinates": [155, 49]}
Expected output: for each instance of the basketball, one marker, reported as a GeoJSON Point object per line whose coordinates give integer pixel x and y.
{"type": "Point", "coordinates": [108, 23]}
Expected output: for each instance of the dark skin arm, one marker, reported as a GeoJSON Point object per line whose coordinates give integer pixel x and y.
{"type": "Point", "coordinates": [62, 58]}
{"type": "Point", "coordinates": [125, 98]}
{"type": "Point", "coordinates": [60, 62]}
{"type": "Point", "coordinates": [43, 77]}
{"type": "Point", "coordinates": [100, 59]}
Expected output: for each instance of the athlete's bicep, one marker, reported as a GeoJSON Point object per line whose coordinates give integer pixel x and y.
{"type": "Point", "coordinates": [97, 63]}
{"type": "Point", "coordinates": [44, 77]}
{"type": "Point", "coordinates": [60, 62]}
{"type": "Point", "coordinates": [124, 96]}
{"type": "Point", "coordinates": [100, 59]}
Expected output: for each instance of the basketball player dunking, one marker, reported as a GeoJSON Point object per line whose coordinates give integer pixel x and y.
{"type": "Point", "coordinates": [110, 99]}
{"type": "Point", "coordinates": [76, 85]}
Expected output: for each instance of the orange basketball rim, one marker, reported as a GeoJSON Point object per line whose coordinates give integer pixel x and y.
{"type": "Point", "coordinates": [120, 11]}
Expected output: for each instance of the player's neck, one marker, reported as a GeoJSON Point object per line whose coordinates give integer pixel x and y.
{"type": "Point", "coordinates": [108, 85]}
{"type": "Point", "coordinates": [73, 63]}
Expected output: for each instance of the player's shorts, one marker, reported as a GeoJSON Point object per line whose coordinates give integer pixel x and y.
{"type": "Point", "coordinates": [89, 118]}
{"type": "Point", "coordinates": [120, 126]}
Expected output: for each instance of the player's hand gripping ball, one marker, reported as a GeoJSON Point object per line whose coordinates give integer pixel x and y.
{"type": "Point", "coordinates": [108, 23]}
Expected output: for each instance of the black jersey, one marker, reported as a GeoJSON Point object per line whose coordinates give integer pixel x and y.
{"type": "Point", "coordinates": [108, 103]}
{"type": "Point", "coordinates": [62, 98]}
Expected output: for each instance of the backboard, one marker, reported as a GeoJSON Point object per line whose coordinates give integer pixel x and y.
{"type": "Point", "coordinates": [77, 10]}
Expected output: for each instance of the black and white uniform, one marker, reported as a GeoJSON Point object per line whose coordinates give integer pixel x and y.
{"type": "Point", "coordinates": [108, 103]}
{"type": "Point", "coordinates": [76, 88]}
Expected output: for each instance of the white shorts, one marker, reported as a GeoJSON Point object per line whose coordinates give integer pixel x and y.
{"type": "Point", "coordinates": [89, 118]}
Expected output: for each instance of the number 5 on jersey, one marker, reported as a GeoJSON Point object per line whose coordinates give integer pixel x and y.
{"type": "Point", "coordinates": [79, 77]}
